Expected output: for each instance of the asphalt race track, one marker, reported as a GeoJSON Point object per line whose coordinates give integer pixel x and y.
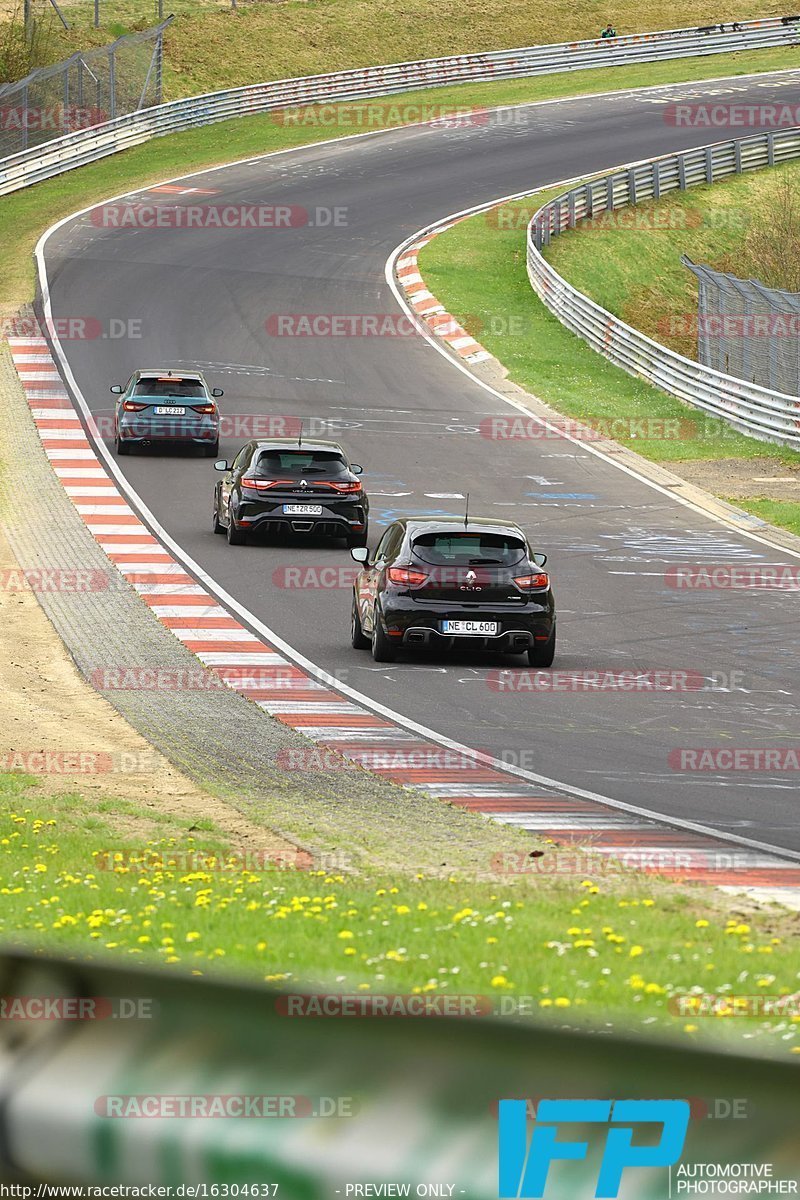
{"type": "Point", "coordinates": [202, 296]}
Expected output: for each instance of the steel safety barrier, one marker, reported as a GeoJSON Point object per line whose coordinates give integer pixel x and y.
{"type": "Point", "coordinates": [757, 411]}
{"type": "Point", "coordinates": [89, 145]}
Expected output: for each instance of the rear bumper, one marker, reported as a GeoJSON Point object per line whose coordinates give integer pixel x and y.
{"type": "Point", "coordinates": [508, 641]}
{"type": "Point", "coordinates": [334, 521]}
{"type": "Point", "coordinates": [150, 433]}
{"type": "Point", "coordinates": [517, 629]}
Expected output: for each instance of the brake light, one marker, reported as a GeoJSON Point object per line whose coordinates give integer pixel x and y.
{"type": "Point", "coordinates": [346, 487]}
{"type": "Point", "coordinates": [204, 408]}
{"type": "Point", "coordinates": [129, 406]}
{"type": "Point", "coordinates": [262, 485]}
{"type": "Point", "coordinates": [528, 582]}
{"type": "Point", "coordinates": [406, 575]}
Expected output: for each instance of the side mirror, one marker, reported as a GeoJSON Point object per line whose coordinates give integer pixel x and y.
{"type": "Point", "coordinates": [116, 389]}
{"type": "Point", "coordinates": [540, 559]}
{"type": "Point", "coordinates": [356, 469]}
{"type": "Point", "coordinates": [217, 392]}
{"type": "Point", "coordinates": [221, 464]}
{"type": "Point", "coordinates": [360, 554]}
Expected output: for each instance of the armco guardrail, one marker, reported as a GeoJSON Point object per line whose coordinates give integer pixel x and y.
{"type": "Point", "coordinates": [757, 411]}
{"type": "Point", "coordinates": [84, 146]}
{"type": "Point", "coordinates": [113, 1076]}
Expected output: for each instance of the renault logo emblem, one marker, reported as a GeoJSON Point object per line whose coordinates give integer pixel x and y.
{"type": "Point", "coordinates": [303, 483]}
{"type": "Point", "coordinates": [471, 577]}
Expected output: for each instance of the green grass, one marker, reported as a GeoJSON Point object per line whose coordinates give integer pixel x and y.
{"type": "Point", "coordinates": [785, 513]}
{"type": "Point", "coordinates": [210, 46]}
{"type": "Point", "coordinates": [26, 214]}
{"type": "Point", "coordinates": [477, 270]}
{"type": "Point", "coordinates": [612, 951]}
{"type": "Point", "coordinates": [635, 270]}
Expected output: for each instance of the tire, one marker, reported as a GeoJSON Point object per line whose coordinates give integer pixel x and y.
{"type": "Point", "coordinates": [217, 525]}
{"type": "Point", "coordinates": [121, 447]}
{"type": "Point", "coordinates": [542, 654]}
{"type": "Point", "coordinates": [382, 649]}
{"type": "Point", "coordinates": [357, 637]}
{"type": "Point", "coordinates": [236, 537]}
{"type": "Point", "coordinates": [358, 538]}
{"type": "Point", "coordinates": [212, 451]}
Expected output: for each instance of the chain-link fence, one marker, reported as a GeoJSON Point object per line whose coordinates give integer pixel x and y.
{"type": "Point", "coordinates": [748, 330]}
{"type": "Point", "coordinates": [84, 90]}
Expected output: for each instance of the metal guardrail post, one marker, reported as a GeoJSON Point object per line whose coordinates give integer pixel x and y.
{"type": "Point", "coordinates": [112, 82]}
{"type": "Point", "coordinates": [25, 118]}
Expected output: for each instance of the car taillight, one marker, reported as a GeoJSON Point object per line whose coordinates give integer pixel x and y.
{"type": "Point", "coordinates": [262, 485]}
{"type": "Point", "coordinates": [129, 406]}
{"type": "Point", "coordinates": [528, 582]}
{"type": "Point", "coordinates": [204, 408]}
{"type": "Point", "coordinates": [346, 487]}
{"type": "Point", "coordinates": [406, 575]}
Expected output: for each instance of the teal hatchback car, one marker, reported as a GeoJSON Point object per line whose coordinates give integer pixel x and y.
{"type": "Point", "coordinates": [166, 407]}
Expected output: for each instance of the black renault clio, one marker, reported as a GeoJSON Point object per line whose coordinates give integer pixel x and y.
{"type": "Point", "coordinates": [444, 581]}
{"type": "Point", "coordinates": [291, 486]}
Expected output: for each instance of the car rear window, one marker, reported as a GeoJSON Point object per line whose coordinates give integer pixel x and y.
{"type": "Point", "coordinates": [169, 388]}
{"type": "Point", "coordinates": [469, 549]}
{"type": "Point", "coordinates": [295, 464]}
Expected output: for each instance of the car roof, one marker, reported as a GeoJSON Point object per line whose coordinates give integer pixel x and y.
{"type": "Point", "coordinates": [417, 525]}
{"type": "Point", "coordinates": [291, 443]}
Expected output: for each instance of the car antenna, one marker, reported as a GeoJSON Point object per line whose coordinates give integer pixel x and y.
{"type": "Point", "coordinates": [300, 436]}
{"type": "Point", "coordinates": [466, 512]}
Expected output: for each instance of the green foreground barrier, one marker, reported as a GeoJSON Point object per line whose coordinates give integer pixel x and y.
{"type": "Point", "coordinates": [98, 1064]}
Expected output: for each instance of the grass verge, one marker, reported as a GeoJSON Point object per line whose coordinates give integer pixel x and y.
{"type": "Point", "coordinates": [611, 953]}
{"type": "Point", "coordinates": [210, 45]}
{"type": "Point", "coordinates": [633, 269]}
{"type": "Point", "coordinates": [24, 215]}
{"type": "Point", "coordinates": [477, 270]}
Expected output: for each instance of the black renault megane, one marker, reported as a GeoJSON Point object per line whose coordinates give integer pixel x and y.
{"type": "Point", "coordinates": [446, 580]}
{"type": "Point", "coordinates": [291, 486]}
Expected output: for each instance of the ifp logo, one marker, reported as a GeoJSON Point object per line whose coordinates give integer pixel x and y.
{"type": "Point", "coordinates": [524, 1168]}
